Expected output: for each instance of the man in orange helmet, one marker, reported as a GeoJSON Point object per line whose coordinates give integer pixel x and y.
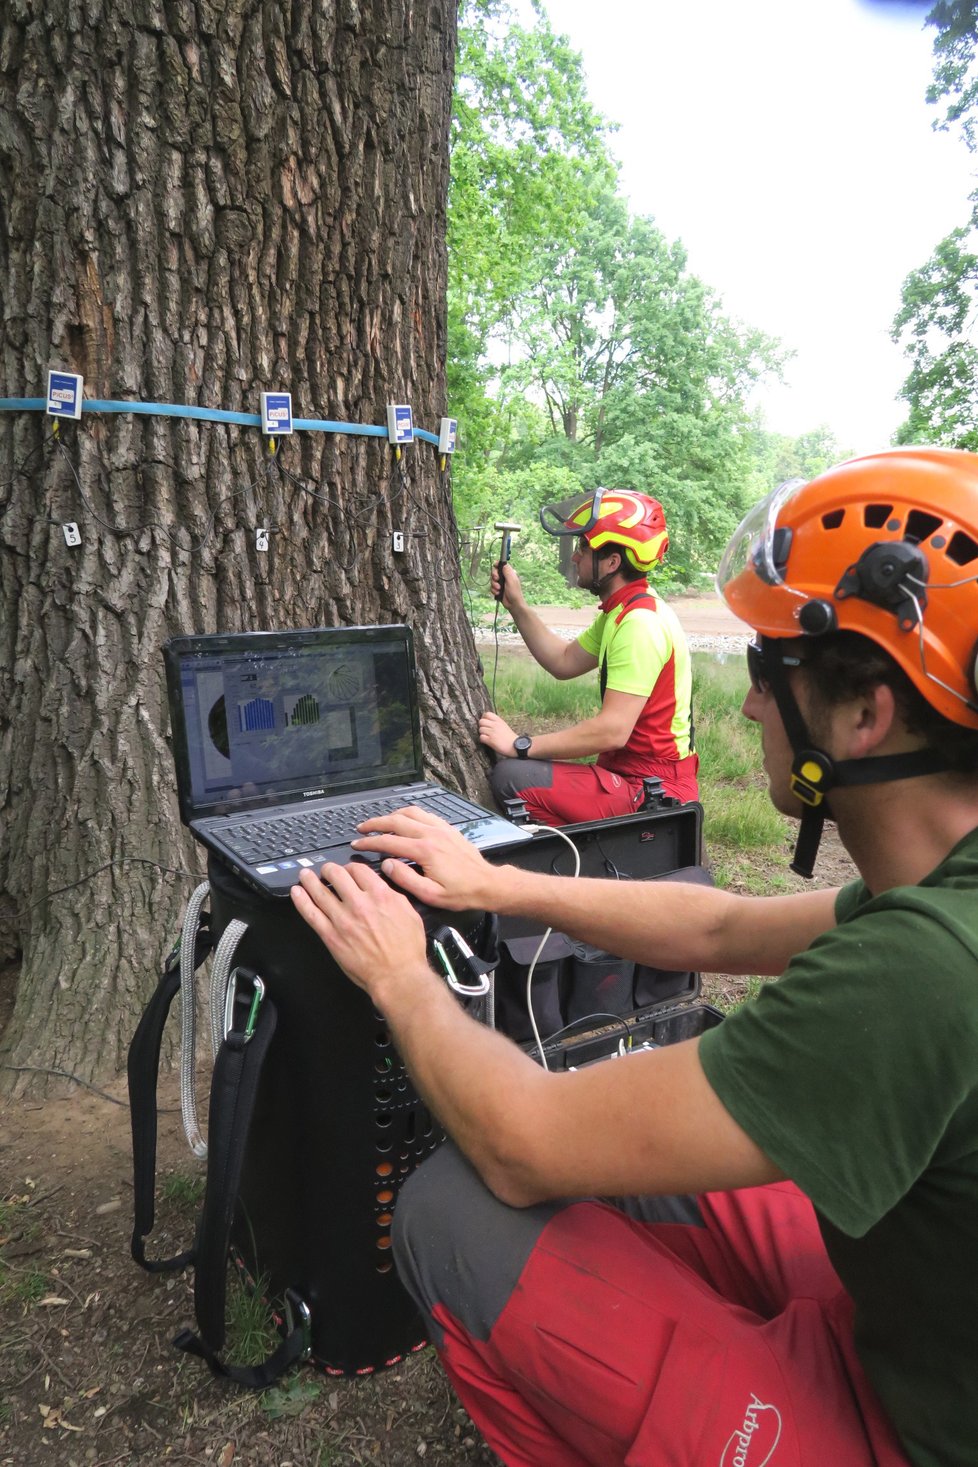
{"type": "Point", "coordinates": [778, 1270]}
{"type": "Point", "coordinates": [644, 725]}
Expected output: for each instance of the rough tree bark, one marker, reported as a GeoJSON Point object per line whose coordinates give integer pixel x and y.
{"type": "Point", "coordinates": [199, 202]}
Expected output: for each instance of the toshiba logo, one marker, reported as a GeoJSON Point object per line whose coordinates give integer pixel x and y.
{"type": "Point", "coordinates": [311, 794]}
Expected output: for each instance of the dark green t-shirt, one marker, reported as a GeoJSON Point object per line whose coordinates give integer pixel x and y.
{"type": "Point", "coordinates": [857, 1074]}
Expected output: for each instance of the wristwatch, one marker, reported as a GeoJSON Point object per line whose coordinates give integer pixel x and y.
{"type": "Point", "coordinates": [522, 744]}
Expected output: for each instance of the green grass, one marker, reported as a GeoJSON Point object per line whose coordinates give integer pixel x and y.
{"type": "Point", "coordinates": [184, 1190]}
{"type": "Point", "coordinates": [752, 987]}
{"type": "Point", "coordinates": [527, 694]}
{"type": "Point", "coordinates": [251, 1332]}
{"type": "Point", "coordinates": [22, 1285]}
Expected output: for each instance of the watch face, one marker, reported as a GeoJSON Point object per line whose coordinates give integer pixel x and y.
{"type": "Point", "coordinates": [522, 745]}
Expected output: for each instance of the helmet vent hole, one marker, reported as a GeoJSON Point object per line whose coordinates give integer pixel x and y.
{"type": "Point", "coordinates": [833, 519]}
{"type": "Point", "coordinates": [921, 525]}
{"type": "Point", "coordinates": [962, 549]}
{"type": "Point", "coordinates": [875, 516]}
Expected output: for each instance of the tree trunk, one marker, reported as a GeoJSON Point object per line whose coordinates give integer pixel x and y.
{"type": "Point", "coordinates": [199, 202]}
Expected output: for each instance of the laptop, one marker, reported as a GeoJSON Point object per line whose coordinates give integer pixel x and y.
{"type": "Point", "coordinates": [285, 741]}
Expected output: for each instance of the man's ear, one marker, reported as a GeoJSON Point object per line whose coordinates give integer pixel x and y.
{"type": "Point", "coordinates": [874, 718]}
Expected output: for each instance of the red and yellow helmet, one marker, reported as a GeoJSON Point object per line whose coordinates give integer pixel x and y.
{"type": "Point", "coordinates": [637, 522]}
{"type": "Point", "coordinates": [885, 545]}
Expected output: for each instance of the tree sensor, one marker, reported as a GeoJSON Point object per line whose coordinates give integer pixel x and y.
{"type": "Point", "coordinates": [64, 395]}
{"type": "Point", "coordinates": [276, 414]}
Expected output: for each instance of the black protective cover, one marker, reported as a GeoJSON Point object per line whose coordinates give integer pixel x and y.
{"type": "Point", "coordinates": [337, 1129]}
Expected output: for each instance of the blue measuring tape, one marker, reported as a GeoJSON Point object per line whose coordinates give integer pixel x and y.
{"type": "Point", "coordinates": [205, 415]}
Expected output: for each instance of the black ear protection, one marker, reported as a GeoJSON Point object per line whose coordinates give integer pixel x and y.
{"type": "Point", "coordinates": [892, 574]}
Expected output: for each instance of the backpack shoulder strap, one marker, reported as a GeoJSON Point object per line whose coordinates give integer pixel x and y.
{"type": "Point", "coordinates": [251, 1026]}
{"type": "Point", "coordinates": [143, 1066]}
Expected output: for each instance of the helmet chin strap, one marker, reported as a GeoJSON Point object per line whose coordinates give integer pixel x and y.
{"type": "Point", "coordinates": [596, 587]}
{"type": "Point", "coordinates": [814, 773]}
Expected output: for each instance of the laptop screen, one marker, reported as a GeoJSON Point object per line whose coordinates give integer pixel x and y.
{"type": "Point", "coordinates": [264, 717]}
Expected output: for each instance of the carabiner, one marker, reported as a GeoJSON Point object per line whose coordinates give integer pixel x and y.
{"type": "Point", "coordinates": [258, 993]}
{"type": "Point", "coordinates": [480, 987]}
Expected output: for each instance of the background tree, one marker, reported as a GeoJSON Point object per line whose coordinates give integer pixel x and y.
{"type": "Point", "coordinates": [778, 457]}
{"type": "Point", "coordinates": [936, 325]}
{"type": "Point", "coordinates": [643, 379]}
{"type": "Point", "coordinates": [938, 316]}
{"type": "Point", "coordinates": [528, 151]}
{"type": "Point", "coordinates": [578, 339]}
{"type": "Point", "coordinates": [198, 203]}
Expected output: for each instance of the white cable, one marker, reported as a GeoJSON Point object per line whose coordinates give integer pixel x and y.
{"type": "Point", "coordinates": [220, 971]}
{"type": "Point", "coordinates": [550, 830]}
{"type": "Point", "coordinates": [188, 1028]}
{"type": "Point", "coordinates": [188, 1008]}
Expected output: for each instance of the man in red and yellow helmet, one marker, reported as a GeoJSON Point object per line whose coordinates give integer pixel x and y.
{"type": "Point", "coordinates": [779, 1270]}
{"type": "Point", "coordinates": [643, 728]}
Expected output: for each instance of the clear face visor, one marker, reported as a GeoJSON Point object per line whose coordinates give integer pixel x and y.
{"type": "Point", "coordinates": [555, 518]}
{"type": "Point", "coordinates": [757, 543]}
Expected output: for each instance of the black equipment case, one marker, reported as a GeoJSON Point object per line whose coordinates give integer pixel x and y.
{"type": "Point", "coordinates": [337, 1127]}
{"type": "Point", "coordinates": [590, 1005]}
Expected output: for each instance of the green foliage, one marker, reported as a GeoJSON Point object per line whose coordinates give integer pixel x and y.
{"type": "Point", "coordinates": [581, 348]}
{"type": "Point", "coordinates": [955, 69]}
{"type": "Point", "coordinates": [742, 817]}
{"type": "Point", "coordinates": [25, 1286]}
{"type": "Point", "coordinates": [529, 695]}
{"type": "Point", "coordinates": [733, 792]}
{"type": "Point", "coordinates": [494, 494]}
{"type": "Point", "coordinates": [642, 377]}
{"type": "Point", "coordinates": [251, 1332]}
{"type": "Point", "coordinates": [935, 325]}
{"type": "Point", "coordinates": [777, 457]}
{"type": "Point", "coordinates": [936, 321]}
{"type": "Point", "coordinates": [28, 1285]}
{"type": "Point", "coordinates": [527, 149]}
{"type": "Point", "coordinates": [752, 987]}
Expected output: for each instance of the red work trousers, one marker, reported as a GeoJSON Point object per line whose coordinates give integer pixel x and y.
{"type": "Point", "coordinates": [558, 793]}
{"type": "Point", "coordinates": [578, 1335]}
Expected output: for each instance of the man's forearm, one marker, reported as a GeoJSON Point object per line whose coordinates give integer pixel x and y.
{"type": "Point", "coordinates": [673, 925]}
{"type": "Point", "coordinates": [592, 736]}
{"type": "Point", "coordinates": [478, 1083]}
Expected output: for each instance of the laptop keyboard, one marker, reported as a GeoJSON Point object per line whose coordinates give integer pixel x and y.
{"type": "Point", "coordinates": [315, 830]}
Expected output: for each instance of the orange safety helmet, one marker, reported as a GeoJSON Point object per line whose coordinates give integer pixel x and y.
{"type": "Point", "coordinates": [637, 522]}
{"type": "Point", "coordinates": [885, 545]}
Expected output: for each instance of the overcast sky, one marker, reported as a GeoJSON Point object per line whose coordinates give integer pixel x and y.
{"type": "Point", "coordinates": [790, 148]}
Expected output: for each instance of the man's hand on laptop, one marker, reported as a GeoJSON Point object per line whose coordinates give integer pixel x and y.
{"type": "Point", "coordinates": [371, 931]}
{"type": "Point", "coordinates": [453, 873]}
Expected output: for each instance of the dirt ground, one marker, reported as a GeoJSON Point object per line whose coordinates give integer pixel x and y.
{"type": "Point", "coordinates": [700, 616]}
{"type": "Point", "coordinates": [88, 1377]}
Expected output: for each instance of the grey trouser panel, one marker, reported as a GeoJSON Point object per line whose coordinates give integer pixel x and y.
{"type": "Point", "coordinates": [457, 1245]}
{"type": "Point", "coordinates": [510, 776]}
